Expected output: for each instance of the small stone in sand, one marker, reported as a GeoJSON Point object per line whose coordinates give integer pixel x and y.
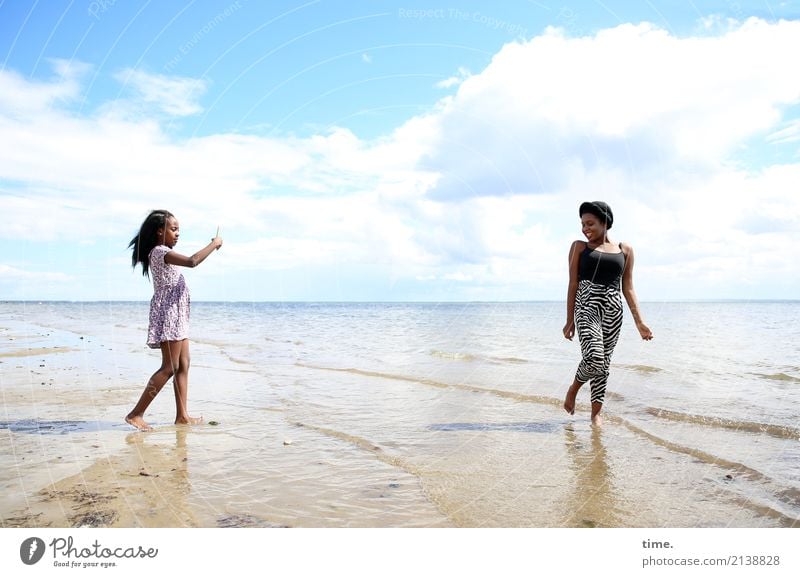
{"type": "Point", "coordinates": [213, 423]}
{"type": "Point", "coordinates": [287, 441]}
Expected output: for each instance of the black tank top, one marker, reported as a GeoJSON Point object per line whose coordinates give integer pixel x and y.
{"type": "Point", "coordinates": [601, 267]}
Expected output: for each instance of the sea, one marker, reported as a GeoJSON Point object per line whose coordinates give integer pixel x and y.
{"type": "Point", "coordinates": [450, 414]}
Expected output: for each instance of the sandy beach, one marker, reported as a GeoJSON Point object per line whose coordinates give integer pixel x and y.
{"type": "Point", "coordinates": [72, 461]}
{"type": "Point", "coordinates": [383, 449]}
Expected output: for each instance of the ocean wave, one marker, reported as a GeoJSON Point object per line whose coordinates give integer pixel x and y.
{"type": "Point", "coordinates": [452, 356]}
{"type": "Point", "coordinates": [779, 431]}
{"type": "Point", "coordinates": [472, 357]}
{"type": "Point", "coordinates": [784, 509]}
{"type": "Point", "coordinates": [364, 444]}
{"type": "Point", "coordinates": [511, 360]}
{"type": "Point", "coordinates": [645, 369]}
{"type": "Point", "coordinates": [438, 384]}
{"type": "Point", "coordinates": [783, 377]}
{"type": "Point", "coordinates": [503, 427]}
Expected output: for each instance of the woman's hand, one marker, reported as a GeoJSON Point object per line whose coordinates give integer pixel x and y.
{"type": "Point", "coordinates": [645, 331]}
{"type": "Point", "coordinates": [569, 330]}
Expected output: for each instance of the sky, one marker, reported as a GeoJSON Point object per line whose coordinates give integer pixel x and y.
{"type": "Point", "coordinates": [399, 150]}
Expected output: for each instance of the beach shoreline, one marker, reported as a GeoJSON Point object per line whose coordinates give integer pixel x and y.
{"type": "Point", "coordinates": [302, 441]}
{"type": "Point", "coordinates": [72, 461]}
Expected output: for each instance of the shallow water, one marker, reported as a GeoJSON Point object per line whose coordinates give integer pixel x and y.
{"type": "Point", "coordinates": [443, 414]}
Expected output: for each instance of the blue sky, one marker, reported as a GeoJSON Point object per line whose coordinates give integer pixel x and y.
{"type": "Point", "coordinates": [392, 151]}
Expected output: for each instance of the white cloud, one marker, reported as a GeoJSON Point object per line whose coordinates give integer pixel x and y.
{"type": "Point", "coordinates": [480, 192]}
{"type": "Point", "coordinates": [458, 277]}
{"type": "Point", "coordinates": [14, 273]}
{"type": "Point", "coordinates": [19, 96]}
{"type": "Point", "coordinates": [789, 133]}
{"type": "Point", "coordinates": [173, 95]}
{"type": "Point", "coordinates": [456, 80]}
{"type": "Point", "coordinates": [632, 97]}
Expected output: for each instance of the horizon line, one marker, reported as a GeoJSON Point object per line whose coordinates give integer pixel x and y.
{"type": "Point", "coordinates": [513, 301]}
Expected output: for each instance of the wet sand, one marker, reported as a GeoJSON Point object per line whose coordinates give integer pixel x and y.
{"type": "Point", "coordinates": [467, 457]}
{"type": "Point", "coordinates": [70, 460]}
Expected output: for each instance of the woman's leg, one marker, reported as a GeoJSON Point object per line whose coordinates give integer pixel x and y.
{"type": "Point", "coordinates": [591, 366]}
{"type": "Point", "coordinates": [151, 389]}
{"type": "Point", "coordinates": [181, 383]}
{"type": "Point", "coordinates": [611, 326]}
{"type": "Point", "coordinates": [588, 325]}
{"type": "Point", "coordinates": [572, 392]}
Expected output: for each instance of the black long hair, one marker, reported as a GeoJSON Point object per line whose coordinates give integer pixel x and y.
{"type": "Point", "coordinates": [147, 238]}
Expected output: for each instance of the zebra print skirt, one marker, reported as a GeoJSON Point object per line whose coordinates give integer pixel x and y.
{"type": "Point", "coordinates": [598, 320]}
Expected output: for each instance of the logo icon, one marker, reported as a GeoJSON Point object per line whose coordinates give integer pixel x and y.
{"type": "Point", "coordinates": [31, 551]}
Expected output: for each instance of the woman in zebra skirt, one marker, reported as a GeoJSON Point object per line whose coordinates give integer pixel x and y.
{"type": "Point", "coordinates": [598, 271]}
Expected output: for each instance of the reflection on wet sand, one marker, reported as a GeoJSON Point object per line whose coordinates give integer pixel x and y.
{"type": "Point", "coordinates": [145, 485]}
{"type": "Point", "coordinates": [163, 471]}
{"type": "Point", "coordinates": [594, 499]}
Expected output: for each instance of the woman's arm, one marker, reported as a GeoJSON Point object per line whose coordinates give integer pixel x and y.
{"type": "Point", "coordinates": [179, 259]}
{"type": "Point", "coordinates": [572, 287]}
{"type": "Point", "coordinates": [630, 294]}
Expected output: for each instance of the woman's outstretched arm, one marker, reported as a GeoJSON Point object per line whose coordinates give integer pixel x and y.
{"type": "Point", "coordinates": [179, 259]}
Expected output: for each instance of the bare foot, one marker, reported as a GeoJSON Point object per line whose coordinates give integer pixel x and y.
{"type": "Point", "coordinates": [569, 401]}
{"type": "Point", "coordinates": [138, 422]}
{"type": "Point", "coordinates": [597, 420]}
{"type": "Point", "coordinates": [189, 421]}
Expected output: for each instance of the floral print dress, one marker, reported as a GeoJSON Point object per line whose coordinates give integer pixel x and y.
{"type": "Point", "coordinates": [169, 307]}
